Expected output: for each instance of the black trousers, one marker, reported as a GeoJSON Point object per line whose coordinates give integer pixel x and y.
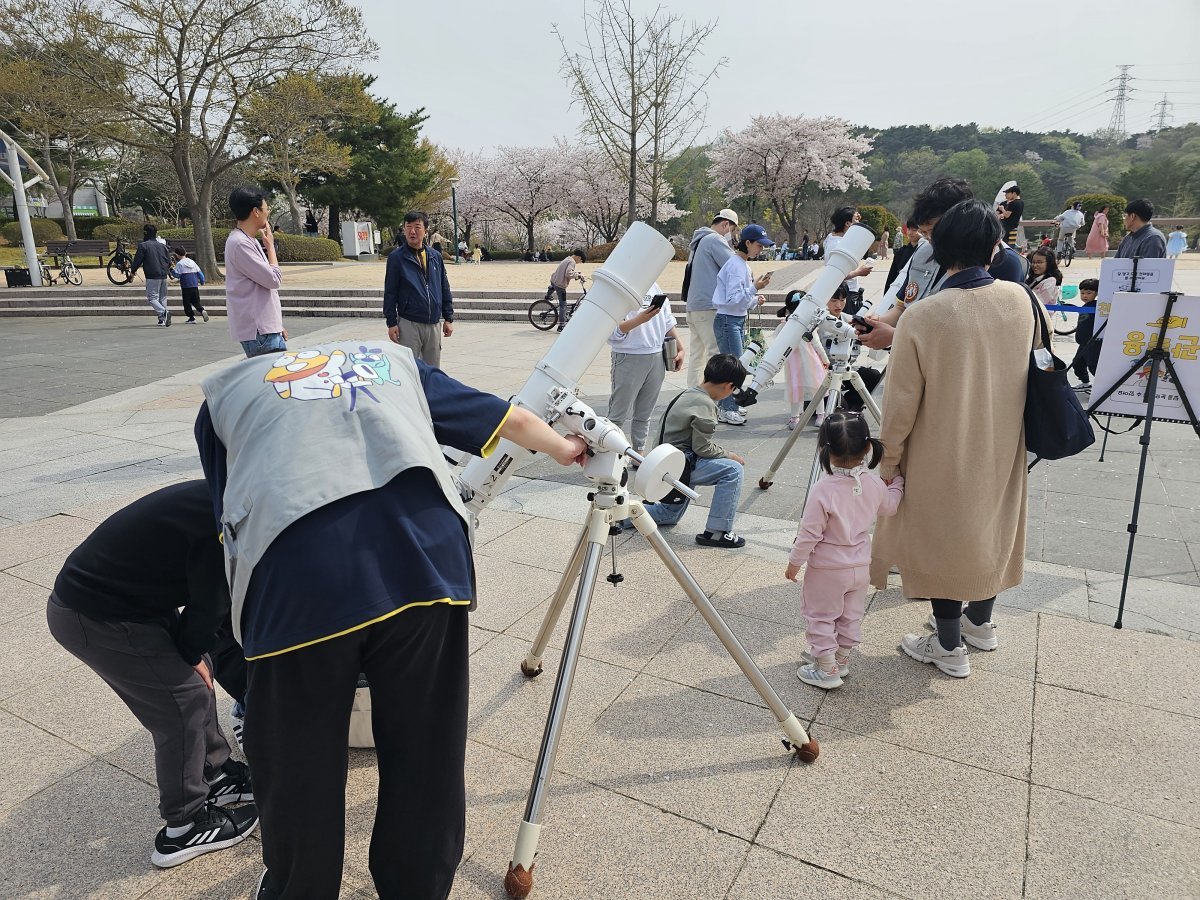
{"type": "Point", "coordinates": [297, 724]}
{"type": "Point", "coordinates": [191, 302]}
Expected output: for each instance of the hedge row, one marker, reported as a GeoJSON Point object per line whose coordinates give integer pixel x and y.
{"type": "Point", "coordinates": [43, 230]}
{"type": "Point", "coordinates": [292, 247]}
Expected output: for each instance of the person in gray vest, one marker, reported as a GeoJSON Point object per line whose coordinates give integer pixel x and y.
{"type": "Point", "coordinates": [348, 550]}
{"type": "Point", "coordinates": [708, 251]}
{"type": "Point", "coordinates": [154, 259]}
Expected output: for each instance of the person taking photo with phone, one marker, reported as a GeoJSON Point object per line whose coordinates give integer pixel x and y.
{"type": "Point", "coordinates": [639, 363]}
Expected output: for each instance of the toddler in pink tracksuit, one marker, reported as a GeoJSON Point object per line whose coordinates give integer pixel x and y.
{"type": "Point", "coordinates": [834, 542]}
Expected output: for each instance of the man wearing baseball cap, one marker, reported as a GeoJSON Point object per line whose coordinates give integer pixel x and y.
{"type": "Point", "coordinates": [709, 250]}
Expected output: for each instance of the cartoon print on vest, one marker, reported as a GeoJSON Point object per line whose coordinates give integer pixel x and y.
{"type": "Point", "coordinates": [375, 359]}
{"type": "Point", "coordinates": [307, 375]}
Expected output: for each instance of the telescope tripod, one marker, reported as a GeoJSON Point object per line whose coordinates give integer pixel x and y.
{"type": "Point", "coordinates": [839, 373]}
{"type": "Point", "coordinates": [612, 503]}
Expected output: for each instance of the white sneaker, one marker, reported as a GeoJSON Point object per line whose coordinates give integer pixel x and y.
{"type": "Point", "coordinates": [982, 637]}
{"type": "Point", "coordinates": [926, 649]}
{"type": "Point", "coordinates": [792, 422]}
{"type": "Point", "coordinates": [810, 674]}
{"type": "Point", "coordinates": [730, 417]}
{"type": "Point", "coordinates": [843, 667]}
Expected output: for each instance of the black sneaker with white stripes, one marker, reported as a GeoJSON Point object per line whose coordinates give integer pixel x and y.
{"type": "Point", "coordinates": [232, 785]}
{"type": "Point", "coordinates": [212, 829]}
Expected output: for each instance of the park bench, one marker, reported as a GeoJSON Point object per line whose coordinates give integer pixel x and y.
{"type": "Point", "coordinates": [58, 249]}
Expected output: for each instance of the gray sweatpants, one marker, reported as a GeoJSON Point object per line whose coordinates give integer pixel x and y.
{"type": "Point", "coordinates": [156, 294]}
{"type": "Point", "coordinates": [139, 661]}
{"type": "Point", "coordinates": [423, 339]}
{"type": "Point", "coordinates": [636, 380]}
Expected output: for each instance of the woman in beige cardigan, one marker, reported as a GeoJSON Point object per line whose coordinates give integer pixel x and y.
{"type": "Point", "coordinates": [953, 427]}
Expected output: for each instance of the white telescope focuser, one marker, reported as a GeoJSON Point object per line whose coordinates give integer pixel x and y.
{"type": "Point", "coordinates": [811, 312]}
{"type": "Point", "coordinates": [618, 289]}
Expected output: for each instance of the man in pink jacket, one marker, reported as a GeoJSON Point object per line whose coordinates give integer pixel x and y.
{"type": "Point", "coordinates": [252, 276]}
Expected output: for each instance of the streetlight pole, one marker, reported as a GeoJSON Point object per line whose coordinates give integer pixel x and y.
{"type": "Point", "coordinates": [454, 214]}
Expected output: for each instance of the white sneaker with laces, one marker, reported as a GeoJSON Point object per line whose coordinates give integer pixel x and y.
{"type": "Point", "coordinates": [810, 674]}
{"type": "Point", "coordinates": [730, 417]}
{"type": "Point", "coordinates": [981, 637]}
{"type": "Point", "coordinates": [843, 665]}
{"type": "Point", "coordinates": [926, 649]}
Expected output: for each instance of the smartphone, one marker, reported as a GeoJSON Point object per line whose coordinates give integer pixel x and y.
{"type": "Point", "coordinates": [861, 325]}
{"type": "Point", "coordinates": [658, 300]}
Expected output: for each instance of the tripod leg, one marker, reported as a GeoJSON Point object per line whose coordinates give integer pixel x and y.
{"type": "Point", "coordinates": [797, 738]}
{"type": "Point", "coordinates": [531, 665]}
{"type": "Point", "coordinates": [518, 882]}
{"type": "Point", "coordinates": [865, 395]}
{"type": "Point", "coordinates": [809, 411]}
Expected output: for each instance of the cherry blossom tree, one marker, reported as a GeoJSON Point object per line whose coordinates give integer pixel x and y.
{"type": "Point", "coordinates": [778, 157]}
{"type": "Point", "coordinates": [471, 194]}
{"type": "Point", "coordinates": [526, 185]}
{"type": "Point", "coordinates": [597, 202]}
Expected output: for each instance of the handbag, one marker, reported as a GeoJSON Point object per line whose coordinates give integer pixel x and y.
{"type": "Point", "coordinates": [1056, 425]}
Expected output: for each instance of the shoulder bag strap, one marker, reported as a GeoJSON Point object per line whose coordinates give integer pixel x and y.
{"type": "Point", "coordinates": [1038, 319]}
{"type": "Point", "coordinates": [662, 428]}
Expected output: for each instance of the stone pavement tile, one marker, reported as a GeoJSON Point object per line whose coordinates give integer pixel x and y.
{"type": "Point", "coordinates": [36, 539]}
{"type": "Point", "coordinates": [478, 638]}
{"type": "Point", "coordinates": [495, 522]}
{"type": "Point", "coordinates": [758, 589]}
{"type": "Point", "coordinates": [1101, 660]}
{"type": "Point", "coordinates": [33, 759]}
{"type": "Point", "coordinates": [1049, 587]}
{"type": "Point", "coordinates": [41, 571]}
{"type": "Point", "coordinates": [1082, 849]}
{"type": "Point", "coordinates": [597, 844]}
{"type": "Point", "coordinates": [507, 590]}
{"type": "Point", "coordinates": [1114, 485]}
{"type": "Point", "coordinates": [19, 598]}
{"type": "Point", "coordinates": [625, 627]}
{"type": "Point", "coordinates": [225, 875]}
{"type": "Point", "coordinates": [1065, 513]}
{"type": "Point", "coordinates": [1185, 494]}
{"type": "Point", "coordinates": [179, 465]}
{"type": "Point", "coordinates": [103, 823]}
{"type": "Point", "coordinates": [79, 465]}
{"type": "Point", "coordinates": [508, 710]}
{"type": "Point", "coordinates": [890, 617]}
{"type": "Point", "coordinates": [58, 446]}
{"type": "Point", "coordinates": [52, 499]}
{"type": "Point", "coordinates": [1163, 606]}
{"type": "Point", "coordinates": [704, 757]}
{"type": "Point", "coordinates": [101, 510]}
{"type": "Point", "coordinates": [694, 657]}
{"type": "Point", "coordinates": [29, 656]}
{"type": "Point", "coordinates": [1090, 548]}
{"type": "Point", "coordinates": [19, 435]}
{"type": "Point", "coordinates": [902, 821]}
{"type": "Point", "coordinates": [645, 571]}
{"type": "Point", "coordinates": [1128, 756]}
{"type": "Point", "coordinates": [769, 875]}
{"type": "Point", "coordinates": [896, 699]}
{"type": "Point", "coordinates": [1187, 520]}
{"type": "Point", "coordinates": [1176, 465]}
{"type": "Point", "coordinates": [542, 543]}
{"type": "Point", "coordinates": [548, 496]}
{"type": "Point", "coordinates": [136, 756]}
{"type": "Point", "coordinates": [54, 704]}
{"type": "Point", "coordinates": [1104, 614]}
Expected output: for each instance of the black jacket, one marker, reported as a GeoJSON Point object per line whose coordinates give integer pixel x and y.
{"type": "Point", "coordinates": [415, 294]}
{"type": "Point", "coordinates": [154, 257]}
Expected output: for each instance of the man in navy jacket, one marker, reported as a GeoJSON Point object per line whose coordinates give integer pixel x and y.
{"type": "Point", "coordinates": [417, 303]}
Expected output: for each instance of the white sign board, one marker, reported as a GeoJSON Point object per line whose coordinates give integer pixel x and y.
{"type": "Point", "coordinates": [1133, 325]}
{"type": "Point", "coordinates": [356, 239]}
{"type": "Point", "coordinates": [1153, 276]}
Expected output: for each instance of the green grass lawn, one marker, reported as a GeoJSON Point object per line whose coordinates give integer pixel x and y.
{"type": "Point", "coordinates": [15, 256]}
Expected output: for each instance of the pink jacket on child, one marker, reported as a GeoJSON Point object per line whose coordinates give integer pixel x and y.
{"type": "Point", "coordinates": [835, 528]}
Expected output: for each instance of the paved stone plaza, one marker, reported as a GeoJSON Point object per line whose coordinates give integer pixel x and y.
{"type": "Point", "coordinates": [1065, 766]}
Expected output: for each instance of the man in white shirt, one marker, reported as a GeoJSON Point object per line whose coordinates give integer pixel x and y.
{"type": "Point", "coordinates": [638, 367]}
{"type": "Point", "coordinates": [1069, 221]}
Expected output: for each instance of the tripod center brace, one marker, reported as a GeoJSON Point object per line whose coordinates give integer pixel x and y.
{"type": "Point", "coordinates": [614, 499]}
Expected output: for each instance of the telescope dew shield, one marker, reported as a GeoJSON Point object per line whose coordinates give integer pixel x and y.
{"type": "Point", "coordinates": [842, 261]}
{"type": "Point", "coordinates": [618, 289]}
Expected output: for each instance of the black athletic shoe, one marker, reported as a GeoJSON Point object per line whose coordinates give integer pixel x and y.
{"type": "Point", "coordinates": [212, 829]}
{"type": "Point", "coordinates": [232, 785]}
{"type": "Point", "coordinates": [728, 540]}
{"type": "Point", "coordinates": [167, 319]}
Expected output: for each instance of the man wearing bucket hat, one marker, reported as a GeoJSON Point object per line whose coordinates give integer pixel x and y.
{"type": "Point", "coordinates": [708, 251]}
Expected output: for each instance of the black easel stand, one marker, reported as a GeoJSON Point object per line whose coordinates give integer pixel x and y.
{"type": "Point", "coordinates": [1154, 355]}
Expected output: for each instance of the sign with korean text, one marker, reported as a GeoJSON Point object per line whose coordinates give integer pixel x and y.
{"type": "Point", "coordinates": [1116, 275]}
{"type": "Point", "coordinates": [1133, 326]}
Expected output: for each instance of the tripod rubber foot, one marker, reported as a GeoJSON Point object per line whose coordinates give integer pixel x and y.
{"type": "Point", "coordinates": [518, 882]}
{"type": "Point", "coordinates": [764, 484]}
{"type": "Point", "coordinates": [807, 752]}
{"type": "Point", "coordinates": [530, 672]}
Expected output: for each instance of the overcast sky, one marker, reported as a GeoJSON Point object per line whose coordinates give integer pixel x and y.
{"type": "Point", "coordinates": [487, 73]}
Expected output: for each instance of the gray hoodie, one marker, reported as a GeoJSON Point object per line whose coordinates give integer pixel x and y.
{"type": "Point", "coordinates": [707, 252]}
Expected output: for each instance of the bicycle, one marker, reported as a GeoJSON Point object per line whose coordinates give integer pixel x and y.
{"type": "Point", "coordinates": [1070, 321]}
{"type": "Point", "coordinates": [543, 314]}
{"type": "Point", "coordinates": [1066, 248]}
{"type": "Point", "coordinates": [120, 265]}
{"type": "Point", "coordinates": [68, 272]}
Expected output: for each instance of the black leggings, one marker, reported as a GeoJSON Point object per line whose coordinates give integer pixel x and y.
{"type": "Point", "coordinates": [948, 613]}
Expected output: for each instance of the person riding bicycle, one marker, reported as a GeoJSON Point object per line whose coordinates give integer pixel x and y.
{"type": "Point", "coordinates": [1069, 221]}
{"type": "Point", "coordinates": [560, 280]}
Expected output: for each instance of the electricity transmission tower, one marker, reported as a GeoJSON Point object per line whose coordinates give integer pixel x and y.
{"type": "Point", "coordinates": [1162, 114]}
{"type": "Point", "coordinates": [1116, 124]}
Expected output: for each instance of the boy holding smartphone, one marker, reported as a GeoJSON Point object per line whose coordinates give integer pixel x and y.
{"type": "Point", "coordinates": [638, 367]}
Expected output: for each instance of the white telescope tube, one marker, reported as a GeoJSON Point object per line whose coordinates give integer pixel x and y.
{"type": "Point", "coordinates": [811, 311]}
{"type": "Point", "coordinates": [617, 290]}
